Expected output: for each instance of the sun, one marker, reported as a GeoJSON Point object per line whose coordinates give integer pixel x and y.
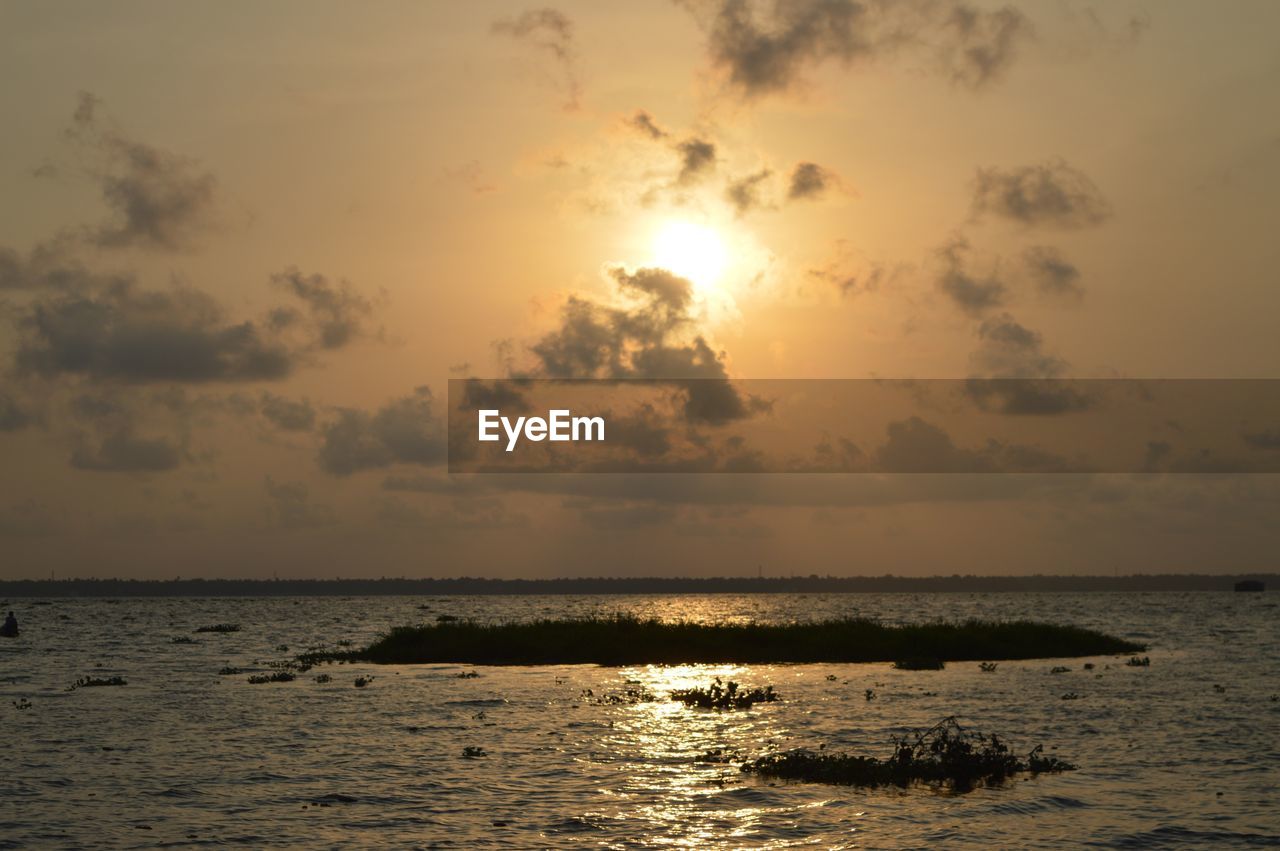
{"type": "Point", "coordinates": [692, 251]}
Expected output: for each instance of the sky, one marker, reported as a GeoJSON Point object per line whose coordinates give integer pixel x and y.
{"type": "Point", "coordinates": [245, 246]}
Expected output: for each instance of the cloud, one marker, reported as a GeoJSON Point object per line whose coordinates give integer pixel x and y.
{"type": "Point", "coordinates": [463, 514]}
{"type": "Point", "coordinates": [125, 452]}
{"type": "Point", "coordinates": [290, 507]}
{"type": "Point", "coordinates": [1267, 439]}
{"type": "Point", "coordinates": [971, 293]}
{"type": "Point", "coordinates": [744, 194]}
{"type": "Point", "coordinates": [697, 160]}
{"type": "Point", "coordinates": [120, 331]}
{"type": "Point", "coordinates": [133, 335]}
{"type": "Point", "coordinates": [337, 311]}
{"type": "Point", "coordinates": [1052, 194]}
{"type": "Point", "coordinates": [404, 431]}
{"type": "Point", "coordinates": [810, 181]}
{"type": "Point", "coordinates": [654, 338]}
{"type": "Point", "coordinates": [12, 416]}
{"type": "Point", "coordinates": [1013, 357]}
{"type": "Point", "coordinates": [160, 200]}
{"type": "Point", "coordinates": [1008, 349]}
{"type": "Point", "coordinates": [288, 414]}
{"type": "Point", "coordinates": [644, 123]}
{"type": "Point", "coordinates": [1052, 273]}
{"type": "Point", "coordinates": [550, 31]}
{"type": "Point", "coordinates": [983, 44]}
{"type": "Point", "coordinates": [769, 54]}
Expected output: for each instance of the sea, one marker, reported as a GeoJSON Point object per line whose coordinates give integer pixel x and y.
{"type": "Point", "coordinates": [188, 753]}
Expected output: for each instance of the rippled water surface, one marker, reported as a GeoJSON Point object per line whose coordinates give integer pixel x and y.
{"type": "Point", "coordinates": [1184, 752]}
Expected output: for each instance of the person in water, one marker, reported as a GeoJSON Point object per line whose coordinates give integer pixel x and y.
{"type": "Point", "coordinates": [10, 625]}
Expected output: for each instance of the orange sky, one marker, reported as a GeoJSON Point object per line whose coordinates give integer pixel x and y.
{"type": "Point", "coordinates": [243, 247]}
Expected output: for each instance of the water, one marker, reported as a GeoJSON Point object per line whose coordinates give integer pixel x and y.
{"type": "Point", "coordinates": [183, 756]}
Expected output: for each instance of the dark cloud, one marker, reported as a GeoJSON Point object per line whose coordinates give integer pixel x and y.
{"type": "Point", "coordinates": [655, 339]}
{"type": "Point", "coordinates": [336, 310]}
{"type": "Point", "coordinates": [917, 446]}
{"type": "Point", "coordinates": [644, 123]}
{"type": "Point", "coordinates": [767, 48]}
{"type": "Point", "coordinates": [744, 194]}
{"type": "Point", "coordinates": [550, 31]}
{"type": "Point", "coordinates": [12, 415]}
{"type": "Point", "coordinates": [290, 507]}
{"type": "Point", "coordinates": [851, 283]}
{"type": "Point", "coordinates": [1052, 273]}
{"type": "Point", "coordinates": [972, 293]}
{"type": "Point", "coordinates": [126, 452]}
{"type": "Point", "coordinates": [1266, 439]}
{"type": "Point", "coordinates": [288, 414]}
{"type": "Point", "coordinates": [133, 335]}
{"type": "Point", "coordinates": [697, 160]}
{"type": "Point", "coordinates": [463, 514]}
{"type": "Point", "coordinates": [983, 44]}
{"type": "Point", "coordinates": [623, 518]}
{"type": "Point", "coordinates": [809, 181]}
{"type": "Point", "coordinates": [1051, 194]}
{"type": "Point", "coordinates": [404, 431]}
{"type": "Point", "coordinates": [1008, 349]}
{"type": "Point", "coordinates": [1014, 358]}
{"type": "Point", "coordinates": [116, 330]}
{"type": "Point", "coordinates": [160, 200]}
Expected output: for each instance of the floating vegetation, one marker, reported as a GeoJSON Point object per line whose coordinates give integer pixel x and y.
{"type": "Point", "coordinates": [229, 671]}
{"type": "Point", "coordinates": [1059, 669]}
{"type": "Point", "coordinates": [446, 618]}
{"type": "Point", "coordinates": [21, 704]}
{"type": "Point", "coordinates": [95, 682]}
{"type": "Point", "coordinates": [869, 694]}
{"type": "Point", "coordinates": [944, 755]}
{"type": "Point", "coordinates": [466, 675]}
{"type": "Point", "coordinates": [323, 678]}
{"type": "Point", "coordinates": [345, 642]}
{"type": "Point", "coordinates": [831, 678]}
{"type": "Point", "coordinates": [1220, 689]}
{"type": "Point", "coordinates": [473, 752]}
{"type": "Point", "coordinates": [182, 639]}
{"type": "Point", "coordinates": [1071, 695]}
{"type": "Point", "coordinates": [361, 682]}
{"type": "Point", "coordinates": [920, 663]}
{"type": "Point", "coordinates": [724, 696]}
{"type": "Point", "coordinates": [988, 667]}
{"type": "Point", "coordinates": [629, 696]}
{"type": "Point", "coordinates": [1136, 662]}
{"type": "Point", "coordinates": [719, 755]}
{"type": "Point", "coordinates": [276, 677]}
{"type": "Point", "coordinates": [1089, 666]}
{"type": "Point", "coordinates": [628, 640]}
{"type": "Point", "coordinates": [220, 627]}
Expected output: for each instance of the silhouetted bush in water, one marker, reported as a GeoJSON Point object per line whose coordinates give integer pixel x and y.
{"type": "Point", "coordinates": [1139, 662]}
{"type": "Point", "coordinates": [92, 682]}
{"type": "Point", "coordinates": [724, 696]}
{"type": "Point", "coordinates": [220, 627]}
{"type": "Point", "coordinates": [182, 639]}
{"type": "Point", "coordinates": [473, 752]}
{"type": "Point", "coordinates": [988, 667]}
{"type": "Point", "coordinates": [629, 696]}
{"type": "Point", "coordinates": [627, 640]}
{"type": "Point", "coordinates": [323, 678]}
{"type": "Point", "coordinates": [466, 675]}
{"type": "Point", "coordinates": [277, 677]}
{"type": "Point", "coordinates": [920, 663]}
{"type": "Point", "coordinates": [229, 671]}
{"type": "Point", "coordinates": [945, 754]}
{"type": "Point", "coordinates": [361, 682]}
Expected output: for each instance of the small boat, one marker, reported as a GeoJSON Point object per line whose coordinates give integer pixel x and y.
{"type": "Point", "coordinates": [1251, 585]}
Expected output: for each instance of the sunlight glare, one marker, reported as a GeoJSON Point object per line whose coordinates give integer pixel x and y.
{"type": "Point", "coordinates": [691, 251]}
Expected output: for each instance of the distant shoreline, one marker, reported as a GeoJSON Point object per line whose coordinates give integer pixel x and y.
{"type": "Point", "coordinates": [601, 585]}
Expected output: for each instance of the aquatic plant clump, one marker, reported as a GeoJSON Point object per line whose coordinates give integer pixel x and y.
{"type": "Point", "coordinates": [97, 682]}
{"type": "Point", "coordinates": [920, 663]}
{"type": "Point", "coordinates": [220, 627]}
{"type": "Point", "coordinates": [724, 696]}
{"type": "Point", "coordinates": [944, 755]}
{"type": "Point", "coordinates": [277, 677]}
{"type": "Point", "coordinates": [629, 640]}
